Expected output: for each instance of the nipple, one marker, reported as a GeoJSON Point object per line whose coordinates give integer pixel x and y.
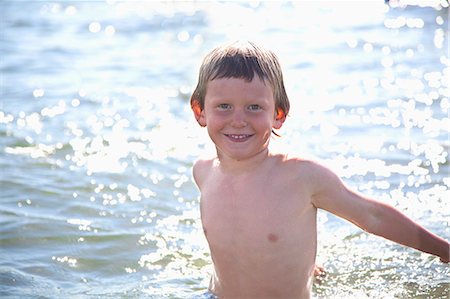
{"type": "Point", "coordinates": [272, 238]}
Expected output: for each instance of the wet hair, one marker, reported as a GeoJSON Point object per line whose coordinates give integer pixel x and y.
{"type": "Point", "coordinates": [243, 61]}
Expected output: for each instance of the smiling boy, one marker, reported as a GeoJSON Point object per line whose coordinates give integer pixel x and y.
{"type": "Point", "coordinates": [259, 208]}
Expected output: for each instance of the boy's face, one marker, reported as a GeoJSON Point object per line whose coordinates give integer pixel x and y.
{"type": "Point", "coordinates": [239, 116]}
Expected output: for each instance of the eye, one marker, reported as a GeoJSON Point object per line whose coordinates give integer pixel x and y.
{"type": "Point", "coordinates": [254, 107]}
{"type": "Point", "coordinates": [224, 107]}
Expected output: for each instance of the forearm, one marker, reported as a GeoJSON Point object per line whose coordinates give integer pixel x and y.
{"type": "Point", "coordinates": [395, 226]}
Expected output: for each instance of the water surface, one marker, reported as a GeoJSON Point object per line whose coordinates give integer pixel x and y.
{"type": "Point", "coordinates": [97, 140]}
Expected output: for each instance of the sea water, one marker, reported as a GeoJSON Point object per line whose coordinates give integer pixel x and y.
{"type": "Point", "coordinates": [97, 139]}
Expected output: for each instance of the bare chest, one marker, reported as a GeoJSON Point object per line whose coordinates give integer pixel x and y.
{"type": "Point", "coordinates": [254, 214]}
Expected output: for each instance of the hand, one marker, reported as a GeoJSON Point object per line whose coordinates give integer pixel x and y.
{"type": "Point", "coordinates": [319, 273]}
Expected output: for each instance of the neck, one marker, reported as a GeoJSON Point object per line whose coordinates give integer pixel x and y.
{"type": "Point", "coordinates": [230, 165]}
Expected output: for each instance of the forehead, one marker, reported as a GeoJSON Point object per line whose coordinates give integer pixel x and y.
{"type": "Point", "coordinates": [239, 89]}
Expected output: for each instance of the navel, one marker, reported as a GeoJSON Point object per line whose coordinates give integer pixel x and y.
{"type": "Point", "coordinates": [272, 238]}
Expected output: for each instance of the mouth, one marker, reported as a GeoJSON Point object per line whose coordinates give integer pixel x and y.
{"type": "Point", "coordinates": [238, 137]}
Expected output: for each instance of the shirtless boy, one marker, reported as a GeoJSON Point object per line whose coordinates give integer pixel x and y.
{"type": "Point", "coordinates": [259, 208]}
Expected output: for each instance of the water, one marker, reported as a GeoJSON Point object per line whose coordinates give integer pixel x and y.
{"type": "Point", "coordinates": [97, 140]}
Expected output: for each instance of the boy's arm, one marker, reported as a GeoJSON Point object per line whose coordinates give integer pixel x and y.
{"type": "Point", "coordinates": [199, 171]}
{"type": "Point", "coordinates": [372, 216]}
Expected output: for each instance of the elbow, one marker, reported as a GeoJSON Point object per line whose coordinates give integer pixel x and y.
{"type": "Point", "coordinates": [374, 223]}
{"type": "Point", "coordinates": [370, 229]}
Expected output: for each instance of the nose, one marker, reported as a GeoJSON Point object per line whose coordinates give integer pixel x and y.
{"type": "Point", "coordinates": [238, 120]}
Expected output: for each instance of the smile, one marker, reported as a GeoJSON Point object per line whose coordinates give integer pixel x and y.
{"type": "Point", "coordinates": [238, 137]}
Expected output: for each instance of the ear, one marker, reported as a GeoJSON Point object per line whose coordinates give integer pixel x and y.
{"type": "Point", "coordinates": [280, 117]}
{"type": "Point", "coordinates": [199, 113]}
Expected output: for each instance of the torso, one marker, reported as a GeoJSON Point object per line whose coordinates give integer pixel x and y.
{"type": "Point", "coordinates": [261, 229]}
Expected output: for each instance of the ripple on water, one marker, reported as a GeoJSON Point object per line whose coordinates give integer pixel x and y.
{"type": "Point", "coordinates": [96, 149]}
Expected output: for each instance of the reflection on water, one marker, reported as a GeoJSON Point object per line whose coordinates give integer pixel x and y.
{"type": "Point", "coordinates": [97, 140]}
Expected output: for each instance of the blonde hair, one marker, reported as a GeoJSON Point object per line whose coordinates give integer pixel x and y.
{"type": "Point", "coordinates": [242, 60]}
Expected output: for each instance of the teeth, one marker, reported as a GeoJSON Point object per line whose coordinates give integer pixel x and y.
{"type": "Point", "coordinates": [238, 136]}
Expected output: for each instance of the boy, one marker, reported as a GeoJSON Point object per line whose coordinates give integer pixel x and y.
{"type": "Point", "coordinates": [258, 208]}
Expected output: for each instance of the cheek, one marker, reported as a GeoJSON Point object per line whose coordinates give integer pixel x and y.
{"type": "Point", "coordinates": [263, 122]}
{"type": "Point", "coordinates": [215, 122]}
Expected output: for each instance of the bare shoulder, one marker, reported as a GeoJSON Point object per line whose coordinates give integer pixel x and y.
{"type": "Point", "coordinates": [201, 169]}
{"type": "Point", "coordinates": [311, 170]}
{"type": "Point", "coordinates": [306, 164]}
